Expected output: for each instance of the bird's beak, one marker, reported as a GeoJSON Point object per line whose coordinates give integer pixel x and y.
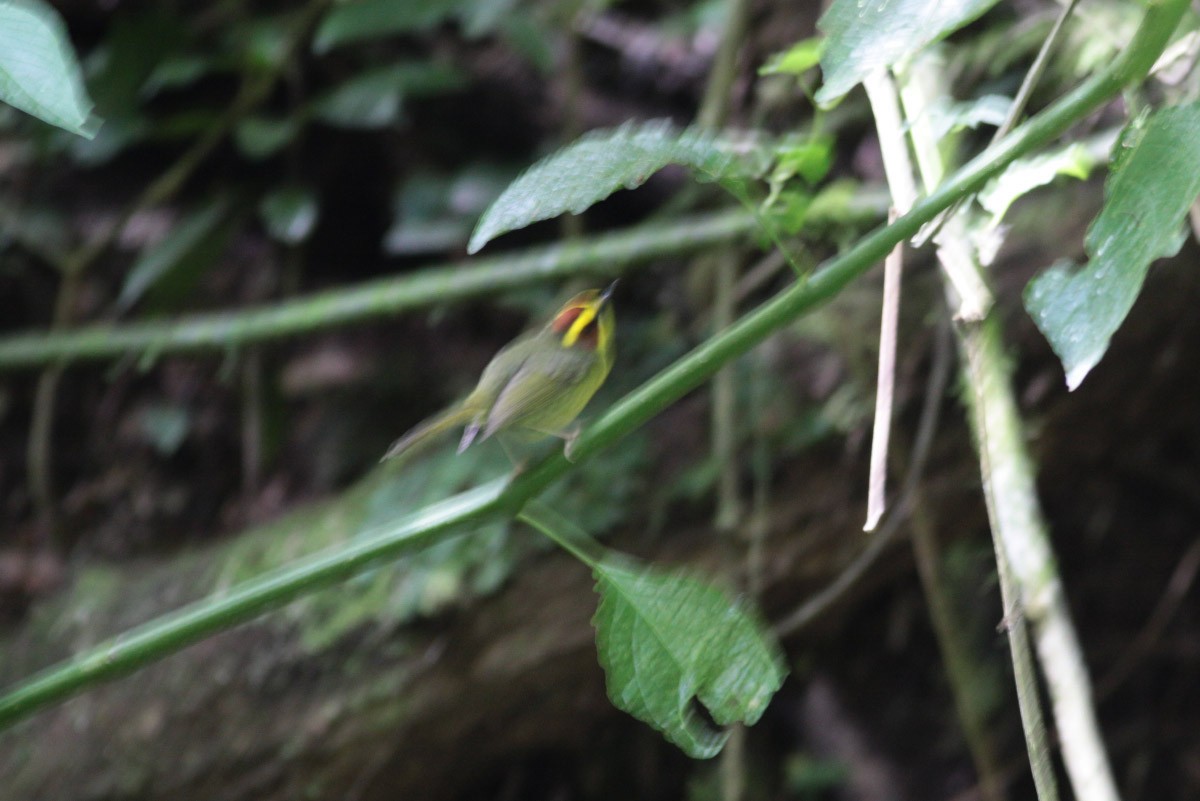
{"type": "Point", "coordinates": [606, 295]}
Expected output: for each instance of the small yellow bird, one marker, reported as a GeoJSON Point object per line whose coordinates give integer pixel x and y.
{"type": "Point", "coordinates": [537, 384]}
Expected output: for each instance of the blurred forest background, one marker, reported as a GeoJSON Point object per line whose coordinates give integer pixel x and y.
{"type": "Point", "coordinates": [271, 174]}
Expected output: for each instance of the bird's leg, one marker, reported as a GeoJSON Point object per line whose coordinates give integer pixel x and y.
{"type": "Point", "coordinates": [570, 436]}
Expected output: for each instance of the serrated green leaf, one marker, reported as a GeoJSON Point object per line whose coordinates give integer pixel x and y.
{"type": "Point", "coordinates": [796, 60]}
{"type": "Point", "coordinates": [868, 35]}
{"type": "Point", "coordinates": [38, 71]}
{"type": "Point", "coordinates": [1025, 175]}
{"type": "Point", "coordinates": [289, 213]}
{"type": "Point", "coordinates": [594, 167]}
{"type": "Point", "coordinates": [371, 19]}
{"type": "Point", "coordinates": [1145, 200]}
{"type": "Point", "coordinates": [667, 640]}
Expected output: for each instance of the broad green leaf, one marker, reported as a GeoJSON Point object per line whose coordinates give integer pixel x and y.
{"type": "Point", "coordinates": [1025, 175]}
{"type": "Point", "coordinates": [289, 213]}
{"type": "Point", "coordinates": [371, 19]}
{"type": "Point", "coordinates": [38, 71]}
{"type": "Point", "coordinates": [190, 243]}
{"type": "Point", "coordinates": [667, 640]}
{"type": "Point", "coordinates": [1155, 180]}
{"type": "Point", "coordinates": [867, 35]}
{"type": "Point", "coordinates": [592, 168]}
{"type": "Point", "coordinates": [796, 60]}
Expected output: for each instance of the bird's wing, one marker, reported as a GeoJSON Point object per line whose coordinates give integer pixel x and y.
{"type": "Point", "coordinates": [536, 385]}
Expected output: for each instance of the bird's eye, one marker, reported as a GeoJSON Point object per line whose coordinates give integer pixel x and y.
{"type": "Point", "coordinates": [589, 336]}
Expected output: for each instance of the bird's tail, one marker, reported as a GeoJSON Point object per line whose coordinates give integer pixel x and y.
{"type": "Point", "coordinates": [427, 431]}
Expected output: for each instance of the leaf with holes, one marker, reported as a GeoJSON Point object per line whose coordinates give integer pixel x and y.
{"type": "Point", "coordinates": [1155, 181]}
{"type": "Point", "coordinates": [667, 641]}
{"type": "Point", "coordinates": [595, 166]}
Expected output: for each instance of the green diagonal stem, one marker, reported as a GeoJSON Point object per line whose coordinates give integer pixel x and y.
{"type": "Point", "coordinates": [165, 635]}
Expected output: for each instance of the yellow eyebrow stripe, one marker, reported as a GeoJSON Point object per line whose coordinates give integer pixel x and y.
{"type": "Point", "coordinates": [586, 315]}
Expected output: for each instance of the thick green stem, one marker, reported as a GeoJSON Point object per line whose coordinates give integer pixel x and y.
{"type": "Point", "coordinates": [159, 638]}
{"type": "Point", "coordinates": [154, 640]}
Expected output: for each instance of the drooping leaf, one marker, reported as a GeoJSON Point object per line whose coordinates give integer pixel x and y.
{"type": "Point", "coordinates": [1025, 175]}
{"type": "Point", "coordinates": [667, 640]}
{"type": "Point", "coordinates": [1155, 180]}
{"type": "Point", "coordinates": [594, 167]}
{"type": "Point", "coordinates": [867, 35]}
{"type": "Point", "coordinates": [38, 70]}
{"type": "Point", "coordinates": [191, 243]}
{"type": "Point", "coordinates": [289, 213]}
